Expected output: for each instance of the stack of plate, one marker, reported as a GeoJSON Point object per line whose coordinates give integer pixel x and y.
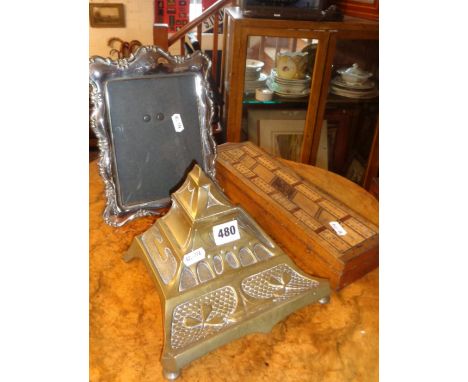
{"type": "Point", "coordinates": [289, 88]}
{"type": "Point", "coordinates": [254, 78]}
{"type": "Point", "coordinates": [365, 90]}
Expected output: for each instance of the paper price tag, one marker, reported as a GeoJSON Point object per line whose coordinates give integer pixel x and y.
{"type": "Point", "coordinates": [194, 257]}
{"type": "Point", "coordinates": [226, 232]}
{"type": "Point", "coordinates": [340, 231]}
{"type": "Point", "coordinates": [177, 121]}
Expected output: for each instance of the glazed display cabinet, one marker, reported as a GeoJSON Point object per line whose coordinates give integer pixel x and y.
{"type": "Point", "coordinates": [308, 112]}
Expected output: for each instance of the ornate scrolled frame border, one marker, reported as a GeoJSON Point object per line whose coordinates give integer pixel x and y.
{"type": "Point", "coordinates": [147, 60]}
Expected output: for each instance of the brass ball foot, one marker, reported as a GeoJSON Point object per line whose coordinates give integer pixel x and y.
{"type": "Point", "coordinates": [324, 300]}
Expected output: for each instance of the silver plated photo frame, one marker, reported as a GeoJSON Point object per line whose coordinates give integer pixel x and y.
{"type": "Point", "coordinates": [152, 114]}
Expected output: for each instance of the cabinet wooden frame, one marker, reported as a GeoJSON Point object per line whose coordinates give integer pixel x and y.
{"type": "Point", "coordinates": [236, 73]}
{"type": "Point", "coordinates": [365, 9]}
{"type": "Point", "coordinates": [372, 170]}
{"type": "Point", "coordinates": [239, 29]}
{"type": "Point", "coordinates": [372, 34]}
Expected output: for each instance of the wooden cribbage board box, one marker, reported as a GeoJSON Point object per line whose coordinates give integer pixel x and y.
{"type": "Point", "coordinates": [296, 214]}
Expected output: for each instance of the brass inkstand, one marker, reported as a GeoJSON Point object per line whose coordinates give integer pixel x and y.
{"type": "Point", "coordinates": [218, 274]}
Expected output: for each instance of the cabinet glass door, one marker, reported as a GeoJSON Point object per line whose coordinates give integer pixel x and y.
{"type": "Point", "coordinates": [278, 78]}
{"type": "Point", "coordinates": [351, 107]}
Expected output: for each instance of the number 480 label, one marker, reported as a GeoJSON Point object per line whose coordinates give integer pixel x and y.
{"type": "Point", "coordinates": [226, 232]}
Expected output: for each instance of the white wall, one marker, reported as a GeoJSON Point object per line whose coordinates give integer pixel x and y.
{"type": "Point", "coordinates": [139, 18]}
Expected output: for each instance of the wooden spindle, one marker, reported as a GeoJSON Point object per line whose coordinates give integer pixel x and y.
{"type": "Point", "coordinates": [160, 35]}
{"type": "Point", "coordinates": [198, 20]}
{"type": "Point", "coordinates": [182, 45]}
{"type": "Point", "coordinates": [214, 58]}
{"type": "Point", "coordinates": [199, 34]}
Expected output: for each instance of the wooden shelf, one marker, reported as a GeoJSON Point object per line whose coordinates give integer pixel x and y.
{"type": "Point", "coordinates": [277, 100]}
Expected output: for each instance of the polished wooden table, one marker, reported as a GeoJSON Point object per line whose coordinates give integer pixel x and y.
{"type": "Point", "coordinates": [337, 342]}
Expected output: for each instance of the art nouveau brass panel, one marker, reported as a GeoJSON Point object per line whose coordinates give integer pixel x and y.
{"type": "Point", "coordinates": [219, 275]}
{"type": "Point", "coordinates": [152, 115]}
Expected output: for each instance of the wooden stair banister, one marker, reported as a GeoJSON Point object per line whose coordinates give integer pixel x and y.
{"type": "Point", "coordinates": [199, 20]}
{"type": "Point", "coordinates": [162, 39]}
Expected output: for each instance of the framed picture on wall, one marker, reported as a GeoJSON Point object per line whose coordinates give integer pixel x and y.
{"type": "Point", "coordinates": [282, 138]}
{"type": "Point", "coordinates": [106, 15]}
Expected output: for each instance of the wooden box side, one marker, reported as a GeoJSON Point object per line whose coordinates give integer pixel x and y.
{"type": "Point", "coordinates": [247, 174]}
